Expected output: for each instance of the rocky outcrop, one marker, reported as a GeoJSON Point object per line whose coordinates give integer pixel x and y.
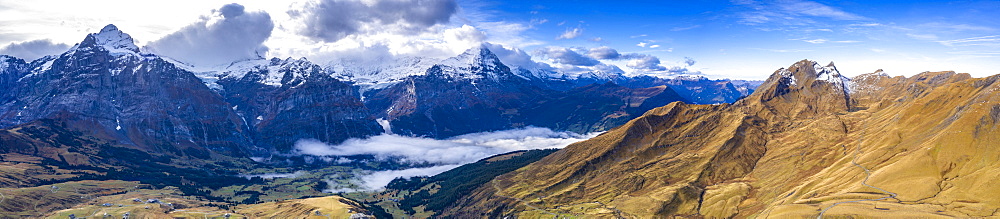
{"type": "Point", "coordinates": [284, 101]}
{"type": "Point", "coordinates": [475, 92]}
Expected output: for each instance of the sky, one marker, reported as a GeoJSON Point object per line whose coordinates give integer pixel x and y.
{"type": "Point", "coordinates": [739, 39]}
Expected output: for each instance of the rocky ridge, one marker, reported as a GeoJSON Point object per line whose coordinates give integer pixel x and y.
{"type": "Point", "coordinates": [808, 143]}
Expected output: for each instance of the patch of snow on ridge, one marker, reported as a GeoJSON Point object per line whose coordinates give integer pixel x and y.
{"type": "Point", "coordinates": [788, 74]}
{"type": "Point", "coordinates": [379, 71]}
{"type": "Point", "coordinates": [829, 73]}
{"type": "Point", "coordinates": [475, 60]}
{"type": "Point", "coordinates": [114, 40]}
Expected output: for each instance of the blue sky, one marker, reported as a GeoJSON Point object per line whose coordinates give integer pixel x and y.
{"type": "Point", "coordinates": [744, 39]}
{"type": "Point", "coordinates": [727, 38]}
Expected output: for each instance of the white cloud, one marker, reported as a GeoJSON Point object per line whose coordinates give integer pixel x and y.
{"type": "Point", "coordinates": [922, 36]}
{"type": "Point", "coordinates": [515, 57]}
{"type": "Point", "coordinates": [445, 154]}
{"type": "Point", "coordinates": [654, 46]}
{"type": "Point", "coordinates": [816, 9]}
{"type": "Point", "coordinates": [689, 61]}
{"type": "Point", "coordinates": [378, 180]}
{"type": "Point", "coordinates": [952, 27]}
{"type": "Point", "coordinates": [815, 41]}
{"type": "Point", "coordinates": [789, 12]}
{"type": "Point", "coordinates": [982, 41]}
{"type": "Point", "coordinates": [685, 28]}
{"type": "Point", "coordinates": [34, 49]}
{"type": "Point", "coordinates": [230, 34]}
{"type": "Point", "coordinates": [333, 20]}
{"type": "Point", "coordinates": [456, 150]}
{"type": "Point", "coordinates": [562, 55]}
{"type": "Point", "coordinates": [570, 34]}
{"type": "Point", "coordinates": [641, 44]}
{"type": "Point", "coordinates": [603, 52]}
{"type": "Point", "coordinates": [646, 62]}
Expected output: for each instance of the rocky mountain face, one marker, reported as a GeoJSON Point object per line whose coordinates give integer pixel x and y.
{"type": "Point", "coordinates": [104, 87]}
{"type": "Point", "coordinates": [287, 100]}
{"type": "Point", "coordinates": [809, 142]}
{"type": "Point", "coordinates": [475, 92]}
{"type": "Point", "coordinates": [596, 107]}
{"type": "Point", "coordinates": [11, 69]}
{"type": "Point", "coordinates": [472, 92]}
{"type": "Point", "coordinates": [258, 107]}
{"type": "Point", "coordinates": [698, 90]}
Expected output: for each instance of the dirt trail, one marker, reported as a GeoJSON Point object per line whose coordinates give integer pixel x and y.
{"type": "Point", "coordinates": [868, 174]}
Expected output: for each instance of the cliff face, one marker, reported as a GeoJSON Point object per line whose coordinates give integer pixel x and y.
{"type": "Point", "coordinates": [802, 144]}
{"type": "Point", "coordinates": [105, 88]}
{"type": "Point", "coordinates": [300, 102]}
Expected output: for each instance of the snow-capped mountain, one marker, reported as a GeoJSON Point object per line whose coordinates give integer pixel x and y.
{"type": "Point", "coordinates": [475, 92]}
{"type": "Point", "coordinates": [113, 40]}
{"type": "Point", "coordinates": [283, 101]}
{"type": "Point", "coordinates": [474, 63]}
{"type": "Point", "coordinates": [265, 105]}
{"type": "Point", "coordinates": [823, 88]}
{"type": "Point", "coordinates": [380, 71]}
{"type": "Point", "coordinates": [103, 87]}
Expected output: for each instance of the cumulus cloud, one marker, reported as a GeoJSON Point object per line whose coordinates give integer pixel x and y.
{"type": "Point", "coordinates": [570, 34]}
{"type": "Point", "coordinates": [569, 61]}
{"type": "Point", "coordinates": [689, 61]}
{"type": "Point", "coordinates": [646, 62]}
{"type": "Point", "coordinates": [444, 154]}
{"type": "Point", "coordinates": [229, 34]}
{"type": "Point", "coordinates": [31, 50]}
{"type": "Point", "coordinates": [515, 57]}
{"type": "Point", "coordinates": [333, 20]}
{"type": "Point", "coordinates": [567, 56]}
{"type": "Point", "coordinates": [603, 52]}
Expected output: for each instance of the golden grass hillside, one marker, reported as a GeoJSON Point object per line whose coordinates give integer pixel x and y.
{"type": "Point", "coordinates": [803, 145]}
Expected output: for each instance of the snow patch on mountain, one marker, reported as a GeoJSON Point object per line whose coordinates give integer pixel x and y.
{"type": "Point", "coordinates": [114, 40]}
{"type": "Point", "coordinates": [830, 74]}
{"type": "Point", "coordinates": [788, 74]}
{"type": "Point", "coordinates": [380, 71]}
{"type": "Point", "coordinates": [471, 63]}
{"type": "Point", "coordinates": [272, 70]}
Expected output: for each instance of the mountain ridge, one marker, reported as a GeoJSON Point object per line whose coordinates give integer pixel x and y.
{"type": "Point", "coordinates": [785, 151]}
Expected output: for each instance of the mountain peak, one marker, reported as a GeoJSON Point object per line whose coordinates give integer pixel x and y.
{"type": "Point", "coordinates": [475, 62]}
{"type": "Point", "coordinates": [475, 55]}
{"type": "Point", "coordinates": [806, 88]}
{"type": "Point", "coordinates": [112, 39]}
{"type": "Point", "coordinates": [800, 72]}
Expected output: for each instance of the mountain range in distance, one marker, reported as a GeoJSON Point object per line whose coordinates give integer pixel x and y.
{"type": "Point", "coordinates": [109, 123]}
{"type": "Point", "coordinates": [106, 110]}
{"type": "Point", "coordinates": [257, 107]}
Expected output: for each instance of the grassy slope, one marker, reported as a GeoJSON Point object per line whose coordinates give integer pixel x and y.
{"type": "Point", "coordinates": [931, 139]}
